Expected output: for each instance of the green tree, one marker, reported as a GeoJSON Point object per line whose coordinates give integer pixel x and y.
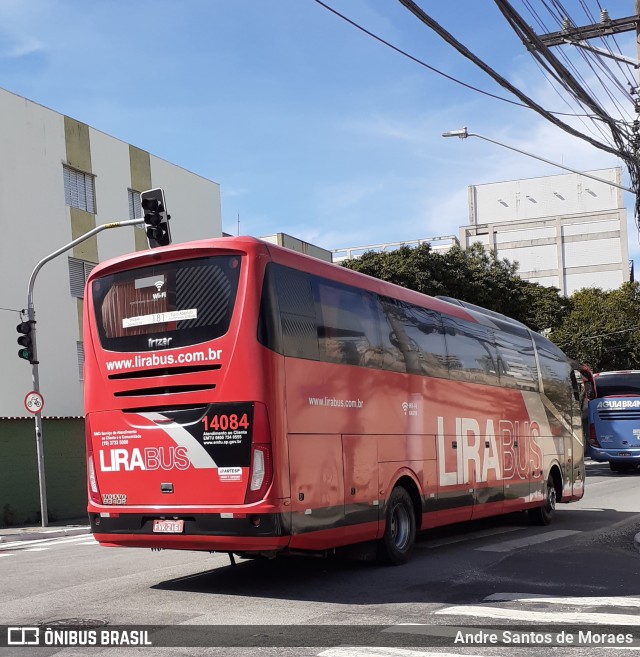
{"type": "Point", "coordinates": [603, 328]}
{"type": "Point", "coordinates": [474, 275]}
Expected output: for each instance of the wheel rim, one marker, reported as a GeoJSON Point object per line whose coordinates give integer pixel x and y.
{"type": "Point", "coordinates": [551, 497]}
{"type": "Point", "coordinates": [400, 526]}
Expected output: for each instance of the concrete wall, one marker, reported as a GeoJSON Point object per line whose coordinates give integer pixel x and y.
{"type": "Point", "coordinates": [65, 468]}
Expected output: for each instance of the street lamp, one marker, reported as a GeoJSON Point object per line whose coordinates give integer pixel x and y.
{"type": "Point", "coordinates": [463, 133]}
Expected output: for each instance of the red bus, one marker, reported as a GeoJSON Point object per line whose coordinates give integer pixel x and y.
{"type": "Point", "coordinates": [245, 398]}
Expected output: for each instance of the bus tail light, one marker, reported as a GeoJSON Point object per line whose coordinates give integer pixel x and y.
{"type": "Point", "coordinates": [94, 491]}
{"type": "Point", "coordinates": [261, 474]}
{"type": "Point", "coordinates": [592, 435]}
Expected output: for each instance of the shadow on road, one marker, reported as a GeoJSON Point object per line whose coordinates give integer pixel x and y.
{"type": "Point", "coordinates": [597, 563]}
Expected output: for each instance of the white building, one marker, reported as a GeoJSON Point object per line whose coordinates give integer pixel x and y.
{"type": "Point", "coordinates": [438, 245]}
{"type": "Point", "coordinates": [567, 231]}
{"type": "Point", "coordinates": [58, 179]}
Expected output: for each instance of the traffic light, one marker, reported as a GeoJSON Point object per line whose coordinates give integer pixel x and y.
{"type": "Point", "coordinates": [156, 219]}
{"type": "Point", "coordinates": [26, 343]}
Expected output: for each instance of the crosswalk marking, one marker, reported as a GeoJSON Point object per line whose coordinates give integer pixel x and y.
{"type": "Point", "coordinates": [43, 541]}
{"type": "Point", "coordinates": [529, 616]}
{"type": "Point", "coordinates": [611, 601]}
{"type": "Point", "coordinates": [507, 546]}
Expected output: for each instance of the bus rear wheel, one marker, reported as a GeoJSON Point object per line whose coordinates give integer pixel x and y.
{"type": "Point", "coordinates": [542, 515]}
{"type": "Point", "coordinates": [396, 544]}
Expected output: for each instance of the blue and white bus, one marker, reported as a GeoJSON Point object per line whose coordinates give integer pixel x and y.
{"type": "Point", "coordinates": [614, 420]}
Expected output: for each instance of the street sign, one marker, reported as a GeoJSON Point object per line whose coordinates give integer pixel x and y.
{"type": "Point", "coordinates": [34, 402]}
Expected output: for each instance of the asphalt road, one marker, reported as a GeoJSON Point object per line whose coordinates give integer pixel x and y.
{"type": "Point", "coordinates": [580, 574]}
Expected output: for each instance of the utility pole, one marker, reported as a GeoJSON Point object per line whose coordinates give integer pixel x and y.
{"type": "Point", "coordinates": [606, 27]}
{"type": "Point", "coordinates": [35, 376]}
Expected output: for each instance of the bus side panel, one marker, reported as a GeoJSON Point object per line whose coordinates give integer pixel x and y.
{"type": "Point", "coordinates": [317, 489]}
{"type": "Point", "coordinates": [361, 509]}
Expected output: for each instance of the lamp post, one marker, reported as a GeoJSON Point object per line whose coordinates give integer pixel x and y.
{"type": "Point", "coordinates": [463, 133]}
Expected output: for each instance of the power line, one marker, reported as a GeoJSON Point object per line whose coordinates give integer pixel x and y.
{"type": "Point", "coordinates": [432, 68]}
{"type": "Point", "coordinates": [463, 50]}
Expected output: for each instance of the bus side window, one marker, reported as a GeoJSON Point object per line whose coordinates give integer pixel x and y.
{"type": "Point", "coordinates": [348, 331]}
{"type": "Point", "coordinates": [471, 351]}
{"type": "Point", "coordinates": [517, 359]}
{"type": "Point", "coordinates": [297, 313]}
{"type": "Point", "coordinates": [555, 373]}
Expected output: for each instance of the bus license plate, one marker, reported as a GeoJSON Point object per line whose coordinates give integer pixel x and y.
{"type": "Point", "coordinates": [168, 526]}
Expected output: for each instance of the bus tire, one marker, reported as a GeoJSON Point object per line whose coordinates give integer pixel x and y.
{"type": "Point", "coordinates": [542, 515]}
{"type": "Point", "coordinates": [396, 544]}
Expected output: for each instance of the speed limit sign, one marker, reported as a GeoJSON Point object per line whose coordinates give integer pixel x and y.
{"type": "Point", "coordinates": [34, 402]}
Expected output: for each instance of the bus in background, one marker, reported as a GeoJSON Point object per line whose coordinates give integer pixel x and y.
{"type": "Point", "coordinates": [614, 420]}
{"type": "Point", "coordinates": [244, 398]}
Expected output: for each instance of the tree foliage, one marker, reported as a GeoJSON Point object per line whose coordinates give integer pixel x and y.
{"type": "Point", "coordinates": [474, 275]}
{"type": "Point", "coordinates": [603, 328]}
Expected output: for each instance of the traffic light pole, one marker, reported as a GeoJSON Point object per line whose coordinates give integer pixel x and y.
{"type": "Point", "coordinates": [31, 312]}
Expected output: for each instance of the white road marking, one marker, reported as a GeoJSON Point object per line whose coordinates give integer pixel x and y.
{"type": "Point", "coordinates": [46, 543]}
{"type": "Point", "coordinates": [7, 555]}
{"type": "Point", "coordinates": [507, 546]}
{"type": "Point", "coordinates": [386, 652]}
{"type": "Point", "coordinates": [586, 601]}
{"type": "Point", "coordinates": [467, 537]}
{"type": "Point", "coordinates": [43, 541]}
{"type": "Point", "coordinates": [36, 549]}
{"type": "Point", "coordinates": [567, 618]}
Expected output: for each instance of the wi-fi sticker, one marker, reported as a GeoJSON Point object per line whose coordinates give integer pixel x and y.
{"type": "Point", "coordinates": [159, 285]}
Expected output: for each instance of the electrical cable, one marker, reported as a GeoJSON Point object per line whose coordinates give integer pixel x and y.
{"type": "Point", "coordinates": [432, 68]}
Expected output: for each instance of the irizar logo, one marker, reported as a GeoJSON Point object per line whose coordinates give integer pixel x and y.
{"type": "Point", "coordinates": [159, 342]}
{"type": "Point", "coordinates": [619, 404]}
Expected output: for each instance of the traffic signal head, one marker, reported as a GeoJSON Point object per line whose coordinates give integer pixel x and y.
{"type": "Point", "coordinates": [26, 343]}
{"type": "Point", "coordinates": [156, 219]}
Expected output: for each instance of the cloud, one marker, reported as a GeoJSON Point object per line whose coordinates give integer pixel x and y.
{"type": "Point", "coordinates": [20, 46]}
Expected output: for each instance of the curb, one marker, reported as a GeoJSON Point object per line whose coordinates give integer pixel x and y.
{"type": "Point", "coordinates": [34, 534]}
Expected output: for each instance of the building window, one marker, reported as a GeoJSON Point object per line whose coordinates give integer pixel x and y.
{"type": "Point", "coordinates": [80, 348]}
{"type": "Point", "coordinates": [79, 189]}
{"type": "Point", "coordinates": [135, 208]}
{"type": "Point", "coordinates": [79, 271]}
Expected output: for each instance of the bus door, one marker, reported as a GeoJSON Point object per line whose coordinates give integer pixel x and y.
{"type": "Point", "coordinates": [482, 456]}
{"type": "Point", "coordinates": [516, 465]}
{"type": "Point", "coordinates": [317, 490]}
{"type": "Point", "coordinates": [455, 486]}
{"type": "Point", "coordinates": [361, 498]}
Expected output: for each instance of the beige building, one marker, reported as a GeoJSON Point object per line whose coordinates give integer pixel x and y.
{"type": "Point", "coordinates": [567, 231]}
{"type": "Point", "coordinates": [58, 179]}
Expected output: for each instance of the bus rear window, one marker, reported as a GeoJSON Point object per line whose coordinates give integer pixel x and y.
{"type": "Point", "coordinates": [172, 304]}
{"type": "Point", "coordinates": [627, 383]}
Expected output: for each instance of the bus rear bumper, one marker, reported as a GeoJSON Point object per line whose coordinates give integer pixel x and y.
{"type": "Point", "coordinates": [629, 456]}
{"type": "Point", "coordinates": [210, 532]}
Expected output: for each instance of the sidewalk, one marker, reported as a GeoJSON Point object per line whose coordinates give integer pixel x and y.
{"type": "Point", "coordinates": [35, 532]}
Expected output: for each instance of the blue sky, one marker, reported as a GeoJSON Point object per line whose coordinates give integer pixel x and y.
{"type": "Point", "coordinates": [310, 126]}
